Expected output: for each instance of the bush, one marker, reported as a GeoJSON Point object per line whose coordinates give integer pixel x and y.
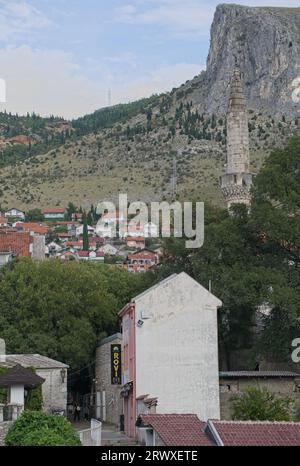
{"type": "Point", "coordinates": [37, 428]}
{"type": "Point", "coordinates": [34, 398]}
{"type": "Point", "coordinates": [260, 405]}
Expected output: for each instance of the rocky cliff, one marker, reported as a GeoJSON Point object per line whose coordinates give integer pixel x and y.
{"type": "Point", "coordinates": [265, 43]}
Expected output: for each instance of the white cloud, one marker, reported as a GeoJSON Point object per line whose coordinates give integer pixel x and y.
{"type": "Point", "coordinates": [18, 18]}
{"type": "Point", "coordinates": [183, 18]}
{"type": "Point", "coordinates": [51, 82]}
{"type": "Point", "coordinates": [186, 19]}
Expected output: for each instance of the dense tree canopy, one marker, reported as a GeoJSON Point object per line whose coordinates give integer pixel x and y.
{"type": "Point", "coordinates": [252, 260]}
{"type": "Point", "coordinates": [61, 310]}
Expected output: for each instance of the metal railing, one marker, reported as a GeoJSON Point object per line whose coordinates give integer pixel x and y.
{"type": "Point", "coordinates": [91, 437]}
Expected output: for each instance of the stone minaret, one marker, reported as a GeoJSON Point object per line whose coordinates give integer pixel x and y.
{"type": "Point", "coordinates": [237, 181]}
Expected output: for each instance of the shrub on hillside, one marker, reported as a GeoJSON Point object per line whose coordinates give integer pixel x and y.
{"type": "Point", "coordinates": [37, 428]}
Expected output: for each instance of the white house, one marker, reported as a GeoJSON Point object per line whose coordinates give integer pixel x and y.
{"type": "Point", "coordinates": [170, 347]}
{"type": "Point", "coordinates": [79, 230]}
{"type": "Point", "coordinates": [15, 213]}
{"type": "Point", "coordinates": [54, 213]}
{"type": "Point", "coordinates": [109, 250]}
{"type": "Point", "coordinates": [90, 255]}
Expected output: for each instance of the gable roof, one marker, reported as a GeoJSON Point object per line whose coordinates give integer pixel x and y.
{"type": "Point", "coordinates": [34, 360]}
{"type": "Point", "coordinates": [32, 226]}
{"type": "Point", "coordinates": [178, 429]}
{"type": "Point", "coordinates": [174, 276]}
{"type": "Point", "coordinates": [18, 375]}
{"type": "Point", "coordinates": [16, 242]}
{"type": "Point", "coordinates": [54, 210]}
{"type": "Point", "coordinates": [256, 433]}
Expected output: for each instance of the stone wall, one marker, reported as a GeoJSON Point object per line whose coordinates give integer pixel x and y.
{"type": "Point", "coordinates": [113, 399]}
{"type": "Point", "coordinates": [4, 426]}
{"type": "Point", "coordinates": [53, 389]}
{"type": "Point", "coordinates": [284, 386]}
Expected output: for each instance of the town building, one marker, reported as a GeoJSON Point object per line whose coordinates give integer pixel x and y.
{"type": "Point", "coordinates": [173, 430]}
{"type": "Point", "coordinates": [141, 261]}
{"type": "Point", "coordinates": [136, 242]}
{"type": "Point", "coordinates": [54, 373]}
{"type": "Point", "coordinates": [32, 227]}
{"type": "Point", "coordinates": [94, 256]}
{"type": "Point", "coordinates": [15, 213]}
{"type": "Point", "coordinates": [109, 249]}
{"type": "Point", "coordinates": [54, 213]}
{"type": "Point", "coordinates": [108, 385]}
{"type": "Point", "coordinates": [236, 183]}
{"type": "Point", "coordinates": [170, 351]}
{"type": "Point", "coordinates": [17, 243]}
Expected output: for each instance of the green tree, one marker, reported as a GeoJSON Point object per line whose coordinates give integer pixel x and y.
{"type": "Point", "coordinates": [34, 215]}
{"type": "Point", "coordinates": [85, 232]}
{"type": "Point", "coordinates": [71, 209]}
{"type": "Point", "coordinates": [260, 405]}
{"type": "Point", "coordinates": [62, 309]}
{"type": "Point", "coordinates": [35, 428]}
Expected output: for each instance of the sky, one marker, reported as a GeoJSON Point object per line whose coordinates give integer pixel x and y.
{"type": "Point", "coordinates": [71, 57]}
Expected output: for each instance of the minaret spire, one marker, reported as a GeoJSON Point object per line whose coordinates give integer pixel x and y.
{"type": "Point", "coordinates": [237, 181]}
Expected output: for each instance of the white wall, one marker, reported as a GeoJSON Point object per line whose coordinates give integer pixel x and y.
{"type": "Point", "coordinates": [177, 348]}
{"type": "Point", "coordinates": [17, 394]}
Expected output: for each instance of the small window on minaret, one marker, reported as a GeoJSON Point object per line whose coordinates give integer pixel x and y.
{"type": "Point", "coordinates": [235, 179]}
{"type": "Point", "coordinates": [244, 183]}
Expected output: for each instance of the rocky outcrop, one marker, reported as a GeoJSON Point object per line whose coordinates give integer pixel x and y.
{"type": "Point", "coordinates": [265, 43]}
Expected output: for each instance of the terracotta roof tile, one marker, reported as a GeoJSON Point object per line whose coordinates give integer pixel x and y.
{"type": "Point", "coordinates": [178, 429]}
{"type": "Point", "coordinates": [255, 433]}
{"type": "Point", "coordinates": [54, 210]}
{"type": "Point", "coordinates": [16, 242]}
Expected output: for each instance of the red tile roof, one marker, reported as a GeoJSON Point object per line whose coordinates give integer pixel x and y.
{"type": "Point", "coordinates": [74, 243]}
{"type": "Point", "coordinates": [54, 210]}
{"type": "Point", "coordinates": [32, 226]}
{"type": "Point", "coordinates": [83, 253]}
{"type": "Point", "coordinates": [137, 238]}
{"type": "Point", "coordinates": [250, 433]}
{"type": "Point", "coordinates": [178, 429]}
{"type": "Point", "coordinates": [16, 242]}
{"type": "Point", "coordinates": [64, 235]}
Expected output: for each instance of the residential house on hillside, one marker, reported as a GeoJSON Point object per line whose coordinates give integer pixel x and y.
{"type": "Point", "coordinates": [171, 321]}
{"type": "Point", "coordinates": [54, 213]}
{"type": "Point", "coordinates": [141, 261]}
{"type": "Point", "coordinates": [32, 227]}
{"type": "Point", "coordinates": [95, 242]}
{"type": "Point", "coordinates": [52, 248]}
{"type": "Point", "coordinates": [136, 242]}
{"type": "Point", "coordinates": [79, 230]}
{"type": "Point", "coordinates": [15, 213]}
{"type": "Point", "coordinates": [75, 245]}
{"type": "Point", "coordinates": [76, 217]}
{"type": "Point", "coordinates": [109, 250]}
{"type": "Point", "coordinates": [90, 255]}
